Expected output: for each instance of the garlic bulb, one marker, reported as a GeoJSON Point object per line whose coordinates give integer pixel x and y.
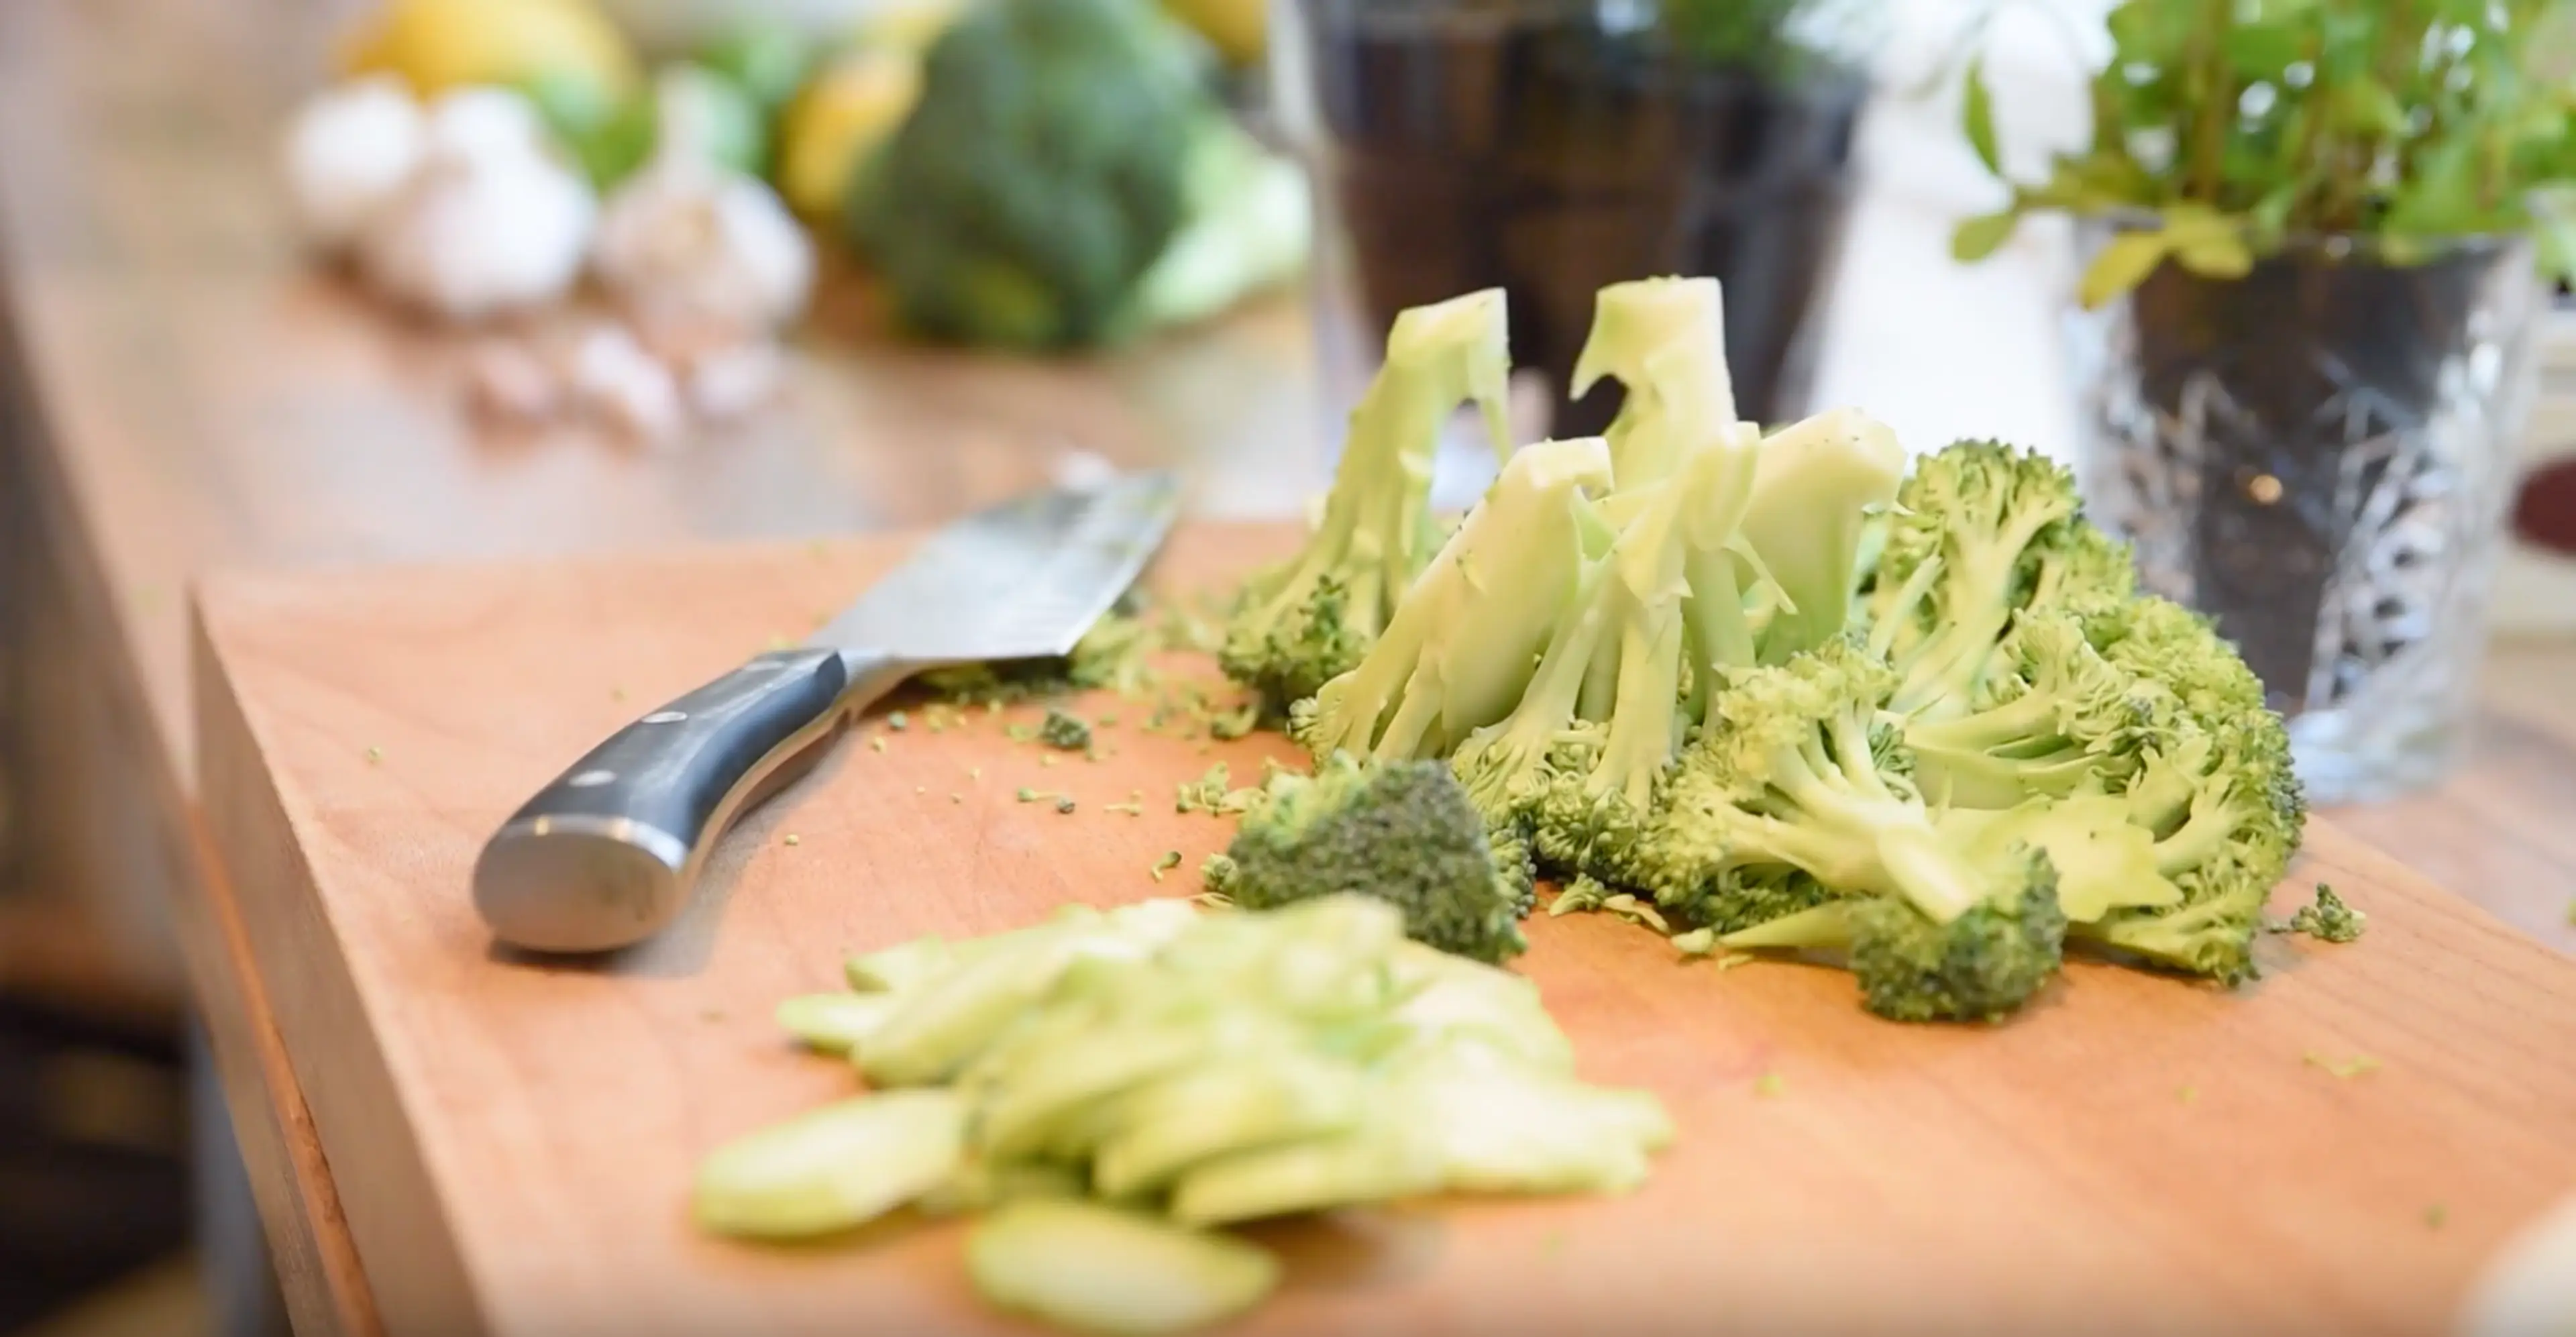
{"type": "Point", "coordinates": [689, 244]}
{"type": "Point", "coordinates": [489, 221]}
{"type": "Point", "coordinates": [348, 150]}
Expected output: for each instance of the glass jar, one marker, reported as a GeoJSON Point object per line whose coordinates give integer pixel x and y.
{"type": "Point", "coordinates": [2319, 456]}
{"type": "Point", "coordinates": [1552, 147]}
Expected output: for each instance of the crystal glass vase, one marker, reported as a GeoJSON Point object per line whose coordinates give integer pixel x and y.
{"type": "Point", "coordinates": [2319, 456]}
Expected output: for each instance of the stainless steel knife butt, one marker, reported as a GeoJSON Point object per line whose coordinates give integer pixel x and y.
{"type": "Point", "coordinates": [609, 854]}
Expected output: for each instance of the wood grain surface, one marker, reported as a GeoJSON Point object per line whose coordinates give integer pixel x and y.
{"type": "Point", "coordinates": [512, 1140]}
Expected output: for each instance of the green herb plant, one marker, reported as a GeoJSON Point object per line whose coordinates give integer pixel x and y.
{"type": "Point", "coordinates": [2225, 131]}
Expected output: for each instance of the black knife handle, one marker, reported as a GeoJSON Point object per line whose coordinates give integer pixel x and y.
{"type": "Point", "coordinates": [606, 855]}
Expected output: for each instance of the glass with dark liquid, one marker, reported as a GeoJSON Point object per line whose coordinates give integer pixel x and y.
{"type": "Point", "coordinates": [1551, 148]}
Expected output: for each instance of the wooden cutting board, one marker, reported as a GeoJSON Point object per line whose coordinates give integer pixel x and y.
{"type": "Point", "coordinates": [513, 1142]}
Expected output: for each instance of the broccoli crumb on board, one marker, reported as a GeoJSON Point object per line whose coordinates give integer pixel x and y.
{"type": "Point", "coordinates": [1203, 794]}
{"type": "Point", "coordinates": [898, 721]}
{"type": "Point", "coordinates": [1028, 795]}
{"type": "Point", "coordinates": [2356, 1066]}
{"type": "Point", "coordinates": [2187, 1094]}
{"type": "Point", "coordinates": [793, 839]}
{"type": "Point", "coordinates": [375, 756]}
{"type": "Point", "coordinates": [2435, 1215]}
{"type": "Point", "coordinates": [1064, 803]}
{"type": "Point", "coordinates": [1131, 807]}
{"type": "Point", "coordinates": [1064, 732]}
{"type": "Point", "coordinates": [1770, 1085]}
{"type": "Point", "coordinates": [1171, 859]}
{"type": "Point", "coordinates": [876, 742]}
{"type": "Point", "coordinates": [2328, 919]}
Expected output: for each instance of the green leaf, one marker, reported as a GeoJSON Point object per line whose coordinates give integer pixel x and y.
{"type": "Point", "coordinates": [1978, 114]}
{"type": "Point", "coordinates": [1977, 238]}
{"type": "Point", "coordinates": [2367, 106]}
{"type": "Point", "coordinates": [2123, 264]}
{"type": "Point", "coordinates": [2220, 257]}
{"type": "Point", "coordinates": [2262, 51]}
{"type": "Point", "coordinates": [2190, 222]}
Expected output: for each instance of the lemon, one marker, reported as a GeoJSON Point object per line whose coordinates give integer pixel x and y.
{"type": "Point", "coordinates": [436, 45]}
{"type": "Point", "coordinates": [1236, 28]}
{"type": "Point", "coordinates": [850, 107]}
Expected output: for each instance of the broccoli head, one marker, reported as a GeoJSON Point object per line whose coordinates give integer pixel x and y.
{"type": "Point", "coordinates": [1403, 833]}
{"type": "Point", "coordinates": [1304, 621]}
{"type": "Point", "coordinates": [1039, 178]}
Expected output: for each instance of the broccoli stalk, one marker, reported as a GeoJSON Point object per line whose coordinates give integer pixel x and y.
{"type": "Point", "coordinates": [1633, 324]}
{"type": "Point", "coordinates": [1819, 484]}
{"type": "Point", "coordinates": [1306, 620]}
{"type": "Point", "coordinates": [1614, 663]}
{"type": "Point", "coordinates": [1452, 660]}
{"type": "Point", "coordinates": [1402, 833]}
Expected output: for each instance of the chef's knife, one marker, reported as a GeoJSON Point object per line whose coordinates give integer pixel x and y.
{"type": "Point", "coordinates": [606, 855]}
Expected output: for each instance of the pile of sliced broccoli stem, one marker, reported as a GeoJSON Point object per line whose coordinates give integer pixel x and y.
{"type": "Point", "coordinates": [1789, 690]}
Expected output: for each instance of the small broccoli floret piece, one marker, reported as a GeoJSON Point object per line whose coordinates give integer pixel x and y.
{"type": "Point", "coordinates": [1981, 531]}
{"type": "Point", "coordinates": [1981, 966]}
{"type": "Point", "coordinates": [1304, 621]}
{"type": "Point", "coordinates": [2328, 919]}
{"type": "Point", "coordinates": [1065, 733]}
{"type": "Point", "coordinates": [1797, 769]}
{"type": "Point", "coordinates": [1403, 833]}
{"type": "Point", "coordinates": [1978, 967]}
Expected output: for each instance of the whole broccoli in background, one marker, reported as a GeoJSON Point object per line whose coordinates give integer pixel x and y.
{"type": "Point", "coordinates": [1041, 176]}
{"type": "Point", "coordinates": [1403, 833]}
{"type": "Point", "coordinates": [1301, 622]}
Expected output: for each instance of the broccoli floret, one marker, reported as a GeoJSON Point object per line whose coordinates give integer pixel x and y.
{"type": "Point", "coordinates": [1403, 833]}
{"type": "Point", "coordinates": [1065, 733]}
{"type": "Point", "coordinates": [2328, 919]}
{"type": "Point", "coordinates": [1304, 621]}
{"type": "Point", "coordinates": [1041, 175]}
{"type": "Point", "coordinates": [1798, 770]}
{"type": "Point", "coordinates": [1981, 531]}
{"type": "Point", "coordinates": [1980, 966]}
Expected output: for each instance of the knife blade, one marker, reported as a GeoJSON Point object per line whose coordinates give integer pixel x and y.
{"type": "Point", "coordinates": [608, 854]}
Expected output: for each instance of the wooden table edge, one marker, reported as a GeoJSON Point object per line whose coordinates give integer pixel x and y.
{"type": "Point", "coordinates": [318, 1271]}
